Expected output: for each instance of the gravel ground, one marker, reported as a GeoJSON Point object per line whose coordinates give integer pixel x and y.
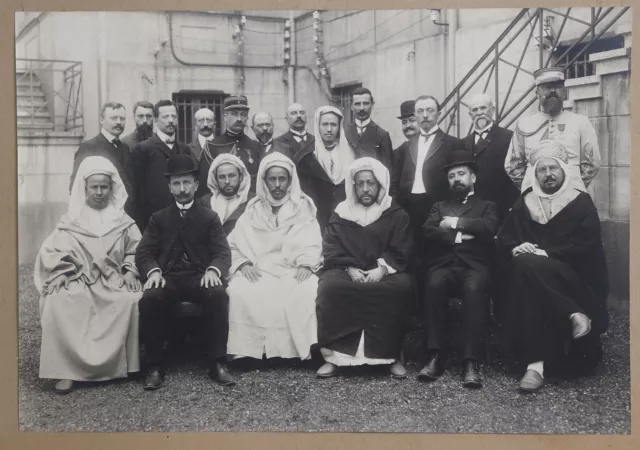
{"type": "Point", "coordinates": [278, 397]}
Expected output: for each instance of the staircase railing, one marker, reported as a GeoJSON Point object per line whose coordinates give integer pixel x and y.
{"type": "Point", "coordinates": [540, 30]}
{"type": "Point", "coordinates": [61, 83]}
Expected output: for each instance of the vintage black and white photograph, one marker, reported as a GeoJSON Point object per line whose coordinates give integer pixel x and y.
{"type": "Point", "coordinates": [408, 220]}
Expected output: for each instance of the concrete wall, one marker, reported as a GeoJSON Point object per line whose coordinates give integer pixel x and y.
{"type": "Point", "coordinates": [44, 167]}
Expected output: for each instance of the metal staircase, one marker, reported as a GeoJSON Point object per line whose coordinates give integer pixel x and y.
{"type": "Point", "coordinates": [534, 27]}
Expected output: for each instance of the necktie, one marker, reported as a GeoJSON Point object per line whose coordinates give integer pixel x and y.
{"type": "Point", "coordinates": [170, 140]}
{"type": "Point", "coordinates": [361, 130]}
{"type": "Point", "coordinates": [116, 142]}
{"type": "Point", "coordinates": [183, 212]}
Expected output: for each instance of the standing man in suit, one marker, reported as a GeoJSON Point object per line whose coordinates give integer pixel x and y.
{"type": "Point", "coordinates": [421, 181]}
{"type": "Point", "coordinates": [365, 136]}
{"type": "Point", "coordinates": [262, 126]}
{"type": "Point", "coordinates": [149, 163]}
{"type": "Point", "coordinates": [410, 129]}
{"type": "Point", "coordinates": [113, 118]}
{"type": "Point", "coordinates": [489, 145]}
{"type": "Point", "coordinates": [143, 118]}
{"type": "Point", "coordinates": [234, 141]}
{"type": "Point", "coordinates": [297, 136]}
{"type": "Point", "coordinates": [184, 252]}
{"type": "Point", "coordinates": [460, 233]}
{"type": "Point", "coordinates": [204, 122]}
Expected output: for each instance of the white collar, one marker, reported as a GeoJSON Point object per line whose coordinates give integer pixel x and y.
{"type": "Point", "coordinates": [430, 132]}
{"type": "Point", "coordinates": [298, 133]}
{"type": "Point", "coordinates": [202, 139]}
{"type": "Point", "coordinates": [467, 197]}
{"type": "Point", "coordinates": [187, 206]}
{"type": "Point", "coordinates": [110, 137]}
{"type": "Point", "coordinates": [362, 124]}
{"type": "Point", "coordinates": [484, 130]}
{"type": "Point", "coordinates": [164, 137]}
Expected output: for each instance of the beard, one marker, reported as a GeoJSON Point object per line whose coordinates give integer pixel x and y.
{"type": "Point", "coordinates": [229, 192]}
{"type": "Point", "coordinates": [552, 104]}
{"type": "Point", "coordinates": [144, 130]}
{"type": "Point", "coordinates": [460, 191]}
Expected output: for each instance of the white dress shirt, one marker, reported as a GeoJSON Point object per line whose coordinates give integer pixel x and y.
{"type": "Point", "coordinates": [426, 139]}
{"type": "Point", "coordinates": [481, 133]}
{"type": "Point", "coordinates": [203, 140]}
{"type": "Point", "coordinates": [299, 137]}
{"type": "Point", "coordinates": [166, 137]}
{"type": "Point", "coordinates": [362, 125]}
{"type": "Point", "coordinates": [110, 137]}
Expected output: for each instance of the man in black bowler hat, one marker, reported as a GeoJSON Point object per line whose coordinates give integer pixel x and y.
{"type": "Point", "coordinates": [234, 141]}
{"type": "Point", "coordinates": [184, 254]}
{"type": "Point", "coordinates": [411, 130]}
{"type": "Point", "coordinates": [459, 234]}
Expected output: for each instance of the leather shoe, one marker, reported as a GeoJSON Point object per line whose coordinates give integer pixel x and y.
{"type": "Point", "coordinates": [531, 381]}
{"type": "Point", "coordinates": [472, 375]}
{"type": "Point", "coordinates": [580, 324]}
{"type": "Point", "coordinates": [64, 387]}
{"type": "Point", "coordinates": [154, 379]}
{"type": "Point", "coordinates": [219, 373]}
{"type": "Point", "coordinates": [327, 370]}
{"type": "Point", "coordinates": [398, 371]}
{"type": "Point", "coordinates": [433, 369]}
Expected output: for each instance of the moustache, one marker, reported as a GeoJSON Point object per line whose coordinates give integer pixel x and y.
{"type": "Point", "coordinates": [299, 121]}
{"type": "Point", "coordinates": [549, 179]}
{"type": "Point", "coordinates": [206, 128]}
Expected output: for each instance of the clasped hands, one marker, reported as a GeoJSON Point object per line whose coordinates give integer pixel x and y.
{"type": "Point", "coordinates": [367, 276]}
{"type": "Point", "coordinates": [253, 275]}
{"type": "Point", "coordinates": [527, 247]}
{"type": "Point", "coordinates": [447, 223]}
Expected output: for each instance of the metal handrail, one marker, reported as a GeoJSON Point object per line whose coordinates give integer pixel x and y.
{"type": "Point", "coordinates": [59, 80]}
{"type": "Point", "coordinates": [492, 59]}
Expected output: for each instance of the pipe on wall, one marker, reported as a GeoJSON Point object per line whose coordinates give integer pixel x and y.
{"type": "Point", "coordinates": [292, 63]}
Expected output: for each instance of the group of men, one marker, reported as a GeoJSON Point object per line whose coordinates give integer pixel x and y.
{"type": "Point", "coordinates": [324, 240]}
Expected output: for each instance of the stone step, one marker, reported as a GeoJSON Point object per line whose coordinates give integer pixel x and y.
{"type": "Point", "coordinates": [44, 126]}
{"type": "Point", "coordinates": [612, 61]}
{"type": "Point", "coordinates": [26, 103]}
{"type": "Point", "coordinates": [34, 114]}
{"type": "Point", "coordinates": [36, 91]}
{"type": "Point", "coordinates": [28, 93]}
{"type": "Point", "coordinates": [27, 81]}
{"type": "Point", "coordinates": [584, 87]}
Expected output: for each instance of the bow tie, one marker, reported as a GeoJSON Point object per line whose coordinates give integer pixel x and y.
{"type": "Point", "coordinates": [116, 142]}
{"type": "Point", "coordinates": [427, 135]}
{"type": "Point", "coordinates": [170, 141]}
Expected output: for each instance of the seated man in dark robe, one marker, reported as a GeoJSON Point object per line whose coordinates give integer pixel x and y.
{"type": "Point", "coordinates": [558, 272]}
{"type": "Point", "coordinates": [459, 234]}
{"type": "Point", "coordinates": [184, 253]}
{"type": "Point", "coordinates": [365, 291]}
{"type": "Point", "coordinates": [230, 184]}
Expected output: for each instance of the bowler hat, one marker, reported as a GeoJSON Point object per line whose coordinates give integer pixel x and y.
{"type": "Point", "coordinates": [461, 157]}
{"type": "Point", "coordinates": [236, 102]}
{"type": "Point", "coordinates": [181, 165]}
{"type": "Point", "coordinates": [407, 109]}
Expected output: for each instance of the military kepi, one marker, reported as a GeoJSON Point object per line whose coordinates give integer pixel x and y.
{"type": "Point", "coordinates": [548, 75]}
{"type": "Point", "coordinates": [236, 102]}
